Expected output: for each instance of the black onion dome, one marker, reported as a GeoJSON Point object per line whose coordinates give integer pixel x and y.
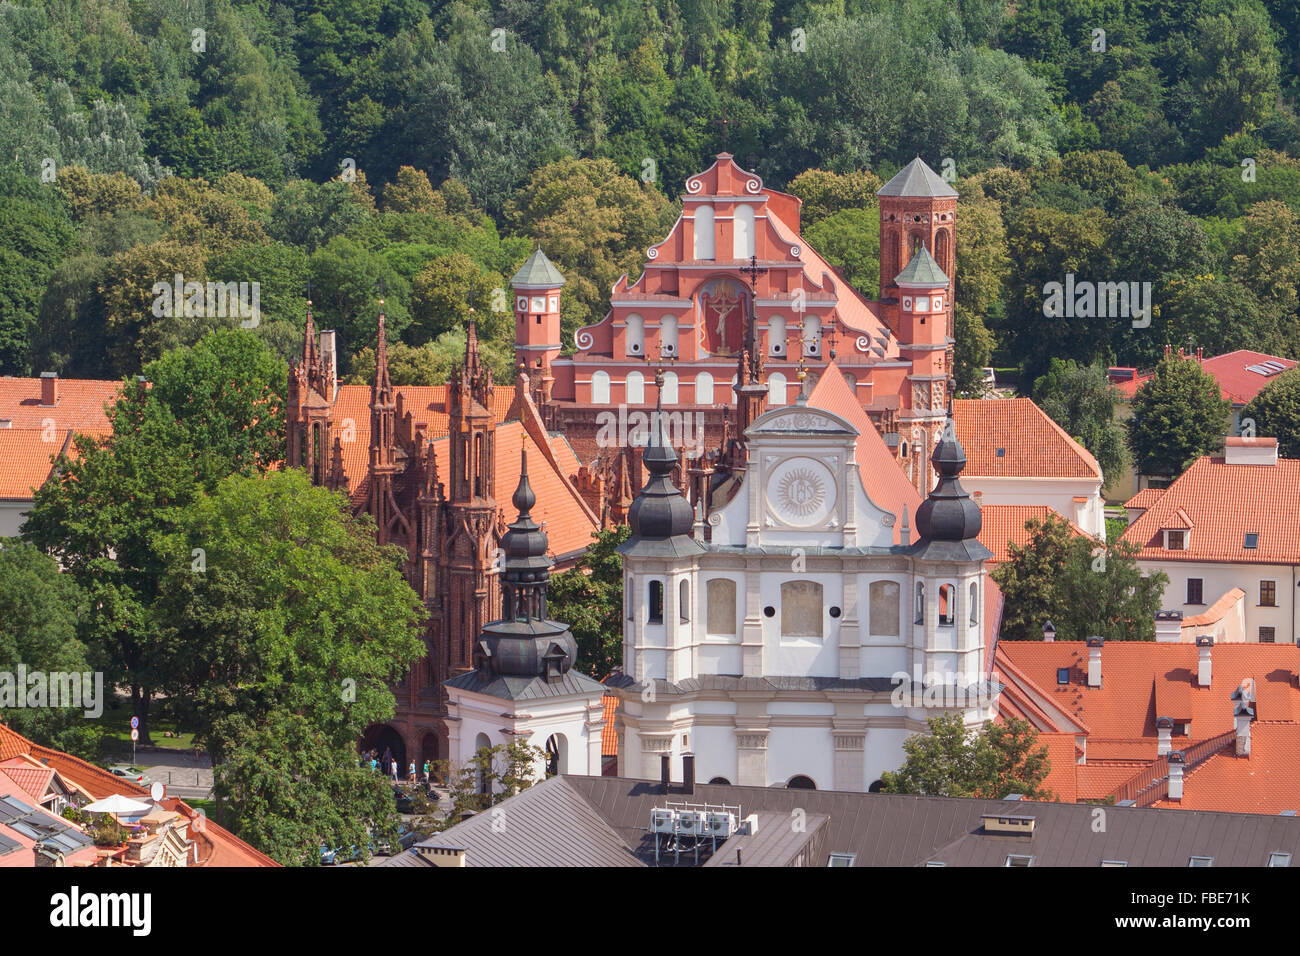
{"type": "Point", "coordinates": [948, 513]}
{"type": "Point", "coordinates": [525, 642]}
{"type": "Point", "coordinates": [660, 511]}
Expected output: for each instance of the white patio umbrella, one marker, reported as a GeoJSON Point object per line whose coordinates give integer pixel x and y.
{"type": "Point", "coordinates": [117, 805]}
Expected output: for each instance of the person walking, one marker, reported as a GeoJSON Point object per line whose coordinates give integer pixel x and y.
{"type": "Point", "coordinates": [410, 772]}
{"type": "Point", "coordinates": [426, 773]}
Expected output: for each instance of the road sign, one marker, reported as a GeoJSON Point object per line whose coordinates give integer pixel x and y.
{"type": "Point", "coordinates": [135, 723]}
{"type": "Point", "coordinates": [135, 734]}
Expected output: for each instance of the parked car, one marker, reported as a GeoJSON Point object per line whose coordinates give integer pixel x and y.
{"type": "Point", "coordinates": [406, 838]}
{"type": "Point", "coordinates": [403, 800]}
{"type": "Point", "coordinates": [134, 774]}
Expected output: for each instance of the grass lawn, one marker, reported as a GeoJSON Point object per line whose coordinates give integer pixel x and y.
{"type": "Point", "coordinates": [117, 729]}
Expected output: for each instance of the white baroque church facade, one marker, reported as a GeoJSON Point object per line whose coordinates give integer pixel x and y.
{"type": "Point", "coordinates": [803, 635]}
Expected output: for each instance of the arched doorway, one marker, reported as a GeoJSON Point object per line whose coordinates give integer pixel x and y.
{"type": "Point", "coordinates": [557, 755]}
{"type": "Point", "coordinates": [800, 782]}
{"type": "Point", "coordinates": [384, 740]}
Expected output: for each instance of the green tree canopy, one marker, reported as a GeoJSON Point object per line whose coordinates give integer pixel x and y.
{"type": "Point", "coordinates": [991, 763]}
{"type": "Point", "coordinates": [1179, 414]}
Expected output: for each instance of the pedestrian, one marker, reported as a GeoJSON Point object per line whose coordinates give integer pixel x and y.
{"type": "Point", "coordinates": [393, 765]}
{"type": "Point", "coordinates": [410, 773]}
{"type": "Point", "coordinates": [426, 773]}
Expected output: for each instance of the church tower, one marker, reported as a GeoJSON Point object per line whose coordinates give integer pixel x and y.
{"type": "Point", "coordinates": [309, 402]}
{"type": "Point", "coordinates": [924, 342]}
{"type": "Point", "coordinates": [523, 666]}
{"type": "Point", "coordinates": [469, 546]}
{"type": "Point", "coordinates": [537, 287]}
{"type": "Point", "coordinates": [392, 525]}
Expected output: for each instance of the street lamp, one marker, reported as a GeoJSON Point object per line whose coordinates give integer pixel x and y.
{"type": "Point", "coordinates": [1049, 632]}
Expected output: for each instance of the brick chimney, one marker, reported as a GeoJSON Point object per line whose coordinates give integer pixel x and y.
{"type": "Point", "coordinates": [1175, 759]}
{"type": "Point", "coordinates": [1204, 672]}
{"type": "Point", "coordinates": [1094, 660]}
{"type": "Point", "coordinates": [49, 389]}
{"type": "Point", "coordinates": [1164, 735]}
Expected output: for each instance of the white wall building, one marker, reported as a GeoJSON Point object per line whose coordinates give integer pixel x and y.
{"type": "Point", "coordinates": [1230, 522]}
{"type": "Point", "coordinates": [772, 652]}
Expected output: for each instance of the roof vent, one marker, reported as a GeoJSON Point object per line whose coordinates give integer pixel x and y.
{"type": "Point", "coordinates": [1015, 825]}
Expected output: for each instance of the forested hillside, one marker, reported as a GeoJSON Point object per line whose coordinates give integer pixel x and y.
{"type": "Point", "coordinates": [422, 148]}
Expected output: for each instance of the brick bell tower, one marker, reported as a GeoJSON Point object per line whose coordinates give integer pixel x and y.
{"type": "Point", "coordinates": [918, 223]}
{"type": "Point", "coordinates": [537, 287]}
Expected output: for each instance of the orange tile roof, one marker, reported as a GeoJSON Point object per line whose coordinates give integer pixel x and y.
{"type": "Point", "coordinates": [1033, 445]}
{"type": "Point", "coordinates": [32, 780]}
{"type": "Point", "coordinates": [1221, 504]}
{"type": "Point", "coordinates": [1097, 781]}
{"type": "Point", "coordinates": [80, 405]}
{"type": "Point", "coordinates": [1264, 782]}
{"type": "Point", "coordinates": [882, 476]}
{"type": "Point", "coordinates": [1145, 498]}
{"type": "Point", "coordinates": [1061, 751]}
{"type": "Point", "coordinates": [1216, 611]}
{"type": "Point", "coordinates": [609, 733]}
{"type": "Point", "coordinates": [28, 455]}
{"type": "Point", "coordinates": [1125, 706]}
{"type": "Point", "coordinates": [1004, 525]}
{"type": "Point", "coordinates": [224, 848]}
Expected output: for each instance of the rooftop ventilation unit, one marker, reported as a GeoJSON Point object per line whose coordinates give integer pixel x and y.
{"type": "Point", "coordinates": [663, 821]}
{"type": "Point", "coordinates": [690, 823]}
{"type": "Point", "coordinates": [720, 825]}
{"type": "Point", "coordinates": [1017, 825]}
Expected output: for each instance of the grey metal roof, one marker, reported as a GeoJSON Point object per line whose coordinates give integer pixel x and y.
{"type": "Point", "coordinates": [407, 858]}
{"type": "Point", "coordinates": [904, 830]}
{"type": "Point", "coordinates": [526, 688]}
{"type": "Point", "coordinates": [922, 270]}
{"type": "Point", "coordinates": [538, 271]}
{"type": "Point", "coordinates": [550, 824]}
{"type": "Point", "coordinates": [917, 179]}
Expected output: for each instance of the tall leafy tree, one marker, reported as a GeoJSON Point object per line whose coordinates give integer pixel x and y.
{"type": "Point", "coordinates": [991, 763]}
{"type": "Point", "coordinates": [1081, 400]}
{"type": "Point", "coordinates": [1179, 414]}
{"type": "Point", "coordinates": [1276, 413]}
{"type": "Point", "coordinates": [589, 598]}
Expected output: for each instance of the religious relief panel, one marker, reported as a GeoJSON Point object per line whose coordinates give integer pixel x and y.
{"type": "Point", "coordinates": [920, 394]}
{"type": "Point", "coordinates": [801, 492]}
{"type": "Point", "coordinates": [722, 307]}
{"type": "Point", "coordinates": [937, 396]}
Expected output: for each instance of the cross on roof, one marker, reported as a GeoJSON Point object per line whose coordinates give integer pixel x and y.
{"type": "Point", "coordinates": [753, 270]}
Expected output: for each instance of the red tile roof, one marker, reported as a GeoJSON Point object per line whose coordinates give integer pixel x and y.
{"type": "Point", "coordinates": [1142, 681]}
{"type": "Point", "coordinates": [218, 846]}
{"type": "Point", "coordinates": [32, 780]}
{"type": "Point", "coordinates": [1237, 382]}
{"type": "Point", "coordinates": [883, 478]}
{"type": "Point", "coordinates": [80, 403]}
{"type": "Point", "coordinates": [1221, 503]}
{"type": "Point", "coordinates": [1145, 498]}
{"type": "Point", "coordinates": [1216, 611]}
{"type": "Point", "coordinates": [1033, 446]}
{"type": "Point", "coordinates": [609, 733]}
{"type": "Point", "coordinates": [1004, 525]}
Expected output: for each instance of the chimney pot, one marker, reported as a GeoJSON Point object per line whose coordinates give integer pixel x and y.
{"type": "Point", "coordinates": [49, 389]}
{"type": "Point", "coordinates": [1204, 668]}
{"type": "Point", "coordinates": [1164, 735]}
{"type": "Point", "coordinates": [1094, 660]}
{"type": "Point", "coordinates": [1242, 715]}
{"type": "Point", "coordinates": [1169, 626]}
{"type": "Point", "coordinates": [1175, 759]}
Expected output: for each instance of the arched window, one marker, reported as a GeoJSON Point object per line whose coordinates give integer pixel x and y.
{"type": "Point", "coordinates": [947, 604]}
{"type": "Point", "coordinates": [720, 782]}
{"type": "Point", "coordinates": [876, 787]}
{"type": "Point", "coordinates": [656, 602]}
{"type": "Point", "coordinates": [668, 336]}
{"type": "Point", "coordinates": [776, 335]}
{"type": "Point", "coordinates": [800, 782]}
{"type": "Point", "coordinates": [683, 602]}
{"type": "Point", "coordinates": [974, 602]}
{"type": "Point", "coordinates": [801, 609]}
{"type": "Point", "coordinates": [704, 389]}
{"type": "Point", "coordinates": [635, 335]}
{"type": "Point", "coordinates": [775, 389]}
{"type": "Point", "coordinates": [943, 251]}
{"type": "Point", "coordinates": [884, 607]}
{"type": "Point", "coordinates": [704, 236]}
{"type": "Point", "coordinates": [670, 388]}
{"type": "Point", "coordinates": [481, 743]}
{"type": "Point", "coordinates": [600, 387]}
{"type": "Point", "coordinates": [635, 388]}
{"type": "Point", "coordinates": [920, 603]}
{"type": "Point", "coordinates": [720, 593]}
{"type": "Point", "coordinates": [743, 244]}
